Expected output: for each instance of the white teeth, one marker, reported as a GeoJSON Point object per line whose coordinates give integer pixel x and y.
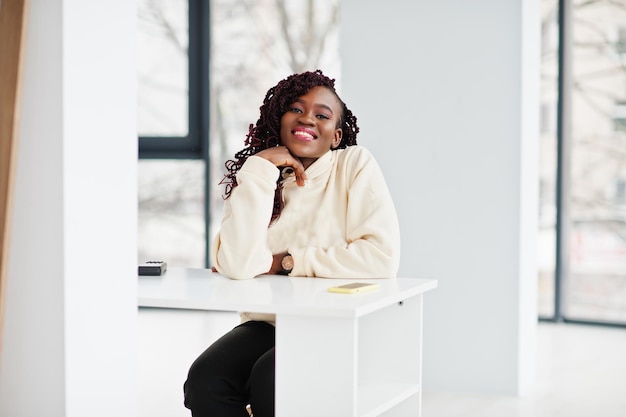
{"type": "Point", "coordinates": [303, 134]}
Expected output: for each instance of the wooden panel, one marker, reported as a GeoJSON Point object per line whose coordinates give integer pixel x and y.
{"type": "Point", "coordinates": [12, 44]}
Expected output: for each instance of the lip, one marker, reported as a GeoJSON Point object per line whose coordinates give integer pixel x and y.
{"type": "Point", "coordinates": [304, 134]}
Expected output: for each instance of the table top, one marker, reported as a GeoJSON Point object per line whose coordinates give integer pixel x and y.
{"type": "Point", "coordinates": [202, 289]}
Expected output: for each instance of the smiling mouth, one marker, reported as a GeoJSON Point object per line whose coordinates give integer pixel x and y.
{"type": "Point", "coordinates": [304, 135]}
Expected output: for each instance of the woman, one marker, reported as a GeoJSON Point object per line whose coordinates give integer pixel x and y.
{"type": "Point", "coordinates": [302, 199]}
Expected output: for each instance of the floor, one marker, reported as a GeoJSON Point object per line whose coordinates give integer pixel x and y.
{"type": "Point", "coordinates": [581, 370]}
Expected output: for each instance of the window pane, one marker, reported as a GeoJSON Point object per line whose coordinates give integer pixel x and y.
{"type": "Point", "coordinates": [596, 286]}
{"type": "Point", "coordinates": [162, 63]}
{"type": "Point", "coordinates": [548, 158]}
{"type": "Point", "coordinates": [171, 212]}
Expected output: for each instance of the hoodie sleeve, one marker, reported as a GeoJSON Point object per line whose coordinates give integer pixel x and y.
{"type": "Point", "coordinates": [240, 249]}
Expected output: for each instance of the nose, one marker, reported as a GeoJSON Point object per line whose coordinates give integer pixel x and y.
{"type": "Point", "coordinates": [306, 117]}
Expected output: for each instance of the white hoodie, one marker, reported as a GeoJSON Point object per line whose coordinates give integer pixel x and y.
{"type": "Point", "coordinates": [341, 224]}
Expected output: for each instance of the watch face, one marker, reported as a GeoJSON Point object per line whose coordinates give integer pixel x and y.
{"type": "Point", "coordinates": [287, 263]}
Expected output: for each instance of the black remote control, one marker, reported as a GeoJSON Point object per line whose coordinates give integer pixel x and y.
{"type": "Point", "coordinates": [152, 268]}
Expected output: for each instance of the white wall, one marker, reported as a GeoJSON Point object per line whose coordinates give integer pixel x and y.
{"type": "Point", "coordinates": [446, 93]}
{"type": "Point", "coordinates": [69, 346]}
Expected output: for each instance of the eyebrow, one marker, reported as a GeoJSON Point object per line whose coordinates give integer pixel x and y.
{"type": "Point", "coordinates": [299, 100]}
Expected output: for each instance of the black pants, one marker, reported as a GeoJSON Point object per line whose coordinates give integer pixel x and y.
{"type": "Point", "coordinates": [236, 370]}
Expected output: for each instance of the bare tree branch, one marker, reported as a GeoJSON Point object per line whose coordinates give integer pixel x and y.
{"type": "Point", "coordinates": [157, 17]}
{"type": "Point", "coordinates": [284, 26]}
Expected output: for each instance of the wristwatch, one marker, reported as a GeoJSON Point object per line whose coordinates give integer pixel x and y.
{"type": "Point", "coordinates": [286, 264]}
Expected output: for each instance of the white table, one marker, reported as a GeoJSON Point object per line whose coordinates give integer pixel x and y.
{"type": "Point", "coordinates": [342, 355]}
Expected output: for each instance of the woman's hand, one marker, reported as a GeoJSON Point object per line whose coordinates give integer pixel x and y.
{"type": "Point", "coordinates": [281, 157]}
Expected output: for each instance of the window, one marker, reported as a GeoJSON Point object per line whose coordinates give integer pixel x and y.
{"type": "Point", "coordinates": [173, 103]}
{"type": "Point", "coordinates": [253, 45]}
{"type": "Point", "coordinates": [546, 235]}
{"type": "Point", "coordinates": [619, 196]}
{"type": "Point", "coordinates": [620, 46]}
{"type": "Point", "coordinates": [619, 117]}
{"type": "Point", "coordinates": [587, 276]}
{"type": "Point", "coordinates": [163, 69]}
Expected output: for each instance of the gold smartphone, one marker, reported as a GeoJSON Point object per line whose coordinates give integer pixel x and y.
{"type": "Point", "coordinates": [354, 288]}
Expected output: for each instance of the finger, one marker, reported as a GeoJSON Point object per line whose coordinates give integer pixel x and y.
{"type": "Point", "coordinates": [300, 174]}
{"type": "Point", "coordinates": [298, 170]}
{"type": "Point", "coordinates": [292, 169]}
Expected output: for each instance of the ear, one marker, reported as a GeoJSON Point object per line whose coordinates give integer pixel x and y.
{"type": "Point", "coordinates": [337, 138]}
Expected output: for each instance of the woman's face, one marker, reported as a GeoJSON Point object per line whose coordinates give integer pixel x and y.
{"type": "Point", "coordinates": [309, 126]}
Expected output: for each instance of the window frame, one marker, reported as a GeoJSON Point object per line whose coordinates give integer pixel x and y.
{"type": "Point", "coordinates": [563, 177]}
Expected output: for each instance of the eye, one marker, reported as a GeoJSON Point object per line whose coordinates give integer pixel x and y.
{"type": "Point", "coordinates": [322, 116]}
{"type": "Point", "coordinates": [295, 110]}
